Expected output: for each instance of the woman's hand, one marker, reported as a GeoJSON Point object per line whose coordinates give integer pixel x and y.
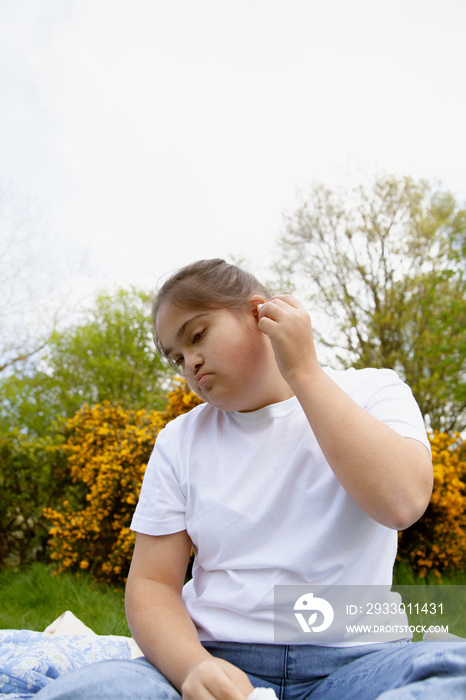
{"type": "Point", "coordinates": [216, 678]}
{"type": "Point", "coordinates": [288, 325]}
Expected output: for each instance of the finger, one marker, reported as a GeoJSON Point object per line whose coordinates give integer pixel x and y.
{"type": "Point", "coordinates": [282, 302]}
{"type": "Point", "coordinates": [288, 299]}
{"type": "Point", "coordinates": [239, 679]}
{"type": "Point", "coordinates": [273, 309]}
{"type": "Point", "coordinates": [217, 680]}
{"type": "Point", "coordinates": [222, 687]}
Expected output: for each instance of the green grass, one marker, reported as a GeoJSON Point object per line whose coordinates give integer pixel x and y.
{"type": "Point", "coordinates": [446, 589]}
{"type": "Point", "coordinates": [33, 597]}
{"type": "Point", "coordinates": [404, 575]}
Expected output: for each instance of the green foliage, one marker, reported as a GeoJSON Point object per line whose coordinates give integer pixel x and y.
{"type": "Point", "coordinates": [28, 480]}
{"type": "Point", "coordinates": [109, 356]}
{"type": "Point", "coordinates": [385, 261]}
{"type": "Point", "coordinates": [428, 347]}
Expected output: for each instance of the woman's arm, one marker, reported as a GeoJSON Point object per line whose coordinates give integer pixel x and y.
{"type": "Point", "coordinates": [390, 477]}
{"type": "Point", "coordinates": [162, 628]}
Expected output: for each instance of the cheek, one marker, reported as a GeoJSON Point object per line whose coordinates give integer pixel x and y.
{"type": "Point", "coordinates": [238, 347]}
{"type": "Point", "coordinates": [247, 355]}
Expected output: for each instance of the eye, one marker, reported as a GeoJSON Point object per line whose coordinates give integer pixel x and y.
{"type": "Point", "coordinates": [178, 362]}
{"type": "Point", "coordinates": [196, 337]}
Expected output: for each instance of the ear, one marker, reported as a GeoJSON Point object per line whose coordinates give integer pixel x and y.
{"type": "Point", "coordinates": [253, 304]}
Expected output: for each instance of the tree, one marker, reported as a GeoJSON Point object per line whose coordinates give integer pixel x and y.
{"type": "Point", "coordinates": [109, 356]}
{"type": "Point", "coordinates": [385, 261]}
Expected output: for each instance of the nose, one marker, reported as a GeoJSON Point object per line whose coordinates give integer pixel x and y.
{"type": "Point", "coordinates": [193, 361]}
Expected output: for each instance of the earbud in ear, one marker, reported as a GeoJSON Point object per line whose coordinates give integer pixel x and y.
{"type": "Point", "coordinates": [256, 304]}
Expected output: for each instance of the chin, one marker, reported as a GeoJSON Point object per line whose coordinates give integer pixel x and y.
{"type": "Point", "coordinates": [224, 400]}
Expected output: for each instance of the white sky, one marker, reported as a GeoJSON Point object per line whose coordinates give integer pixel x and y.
{"type": "Point", "coordinates": [156, 132]}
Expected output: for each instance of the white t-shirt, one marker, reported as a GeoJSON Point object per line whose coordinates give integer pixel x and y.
{"type": "Point", "coordinates": [263, 508]}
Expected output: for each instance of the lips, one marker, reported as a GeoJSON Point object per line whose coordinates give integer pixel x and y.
{"type": "Point", "coordinates": [202, 379]}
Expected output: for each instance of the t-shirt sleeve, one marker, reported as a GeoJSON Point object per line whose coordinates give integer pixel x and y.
{"type": "Point", "coordinates": [161, 509]}
{"type": "Point", "coordinates": [392, 402]}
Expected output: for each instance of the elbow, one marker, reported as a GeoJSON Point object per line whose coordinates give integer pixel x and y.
{"type": "Point", "coordinates": [405, 518]}
{"type": "Point", "coordinates": [407, 510]}
{"type": "Point", "coordinates": [399, 514]}
{"type": "Point", "coordinates": [411, 503]}
{"type": "Point", "coordinates": [410, 499]}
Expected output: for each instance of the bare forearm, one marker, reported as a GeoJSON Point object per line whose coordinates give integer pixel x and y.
{"type": "Point", "coordinates": [163, 629]}
{"type": "Point", "coordinates": [387, 475]}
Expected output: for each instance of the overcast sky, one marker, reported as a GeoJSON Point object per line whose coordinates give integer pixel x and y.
{"type": "Point", "coordinates": [154, 132]}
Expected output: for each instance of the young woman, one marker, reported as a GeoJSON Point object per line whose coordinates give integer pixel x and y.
{"type": "Point", "coordinates": [288, 474]}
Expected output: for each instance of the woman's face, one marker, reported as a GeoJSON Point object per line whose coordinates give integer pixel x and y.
{"type": "Point", "coordinates": [221, 353]}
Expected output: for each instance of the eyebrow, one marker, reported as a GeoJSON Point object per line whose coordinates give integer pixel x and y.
{"type": "Point", "coordinates": [182, 329]}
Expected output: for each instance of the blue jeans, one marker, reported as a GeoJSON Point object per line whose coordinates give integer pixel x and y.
{"type": "Point", "coordinates": [391, 671]}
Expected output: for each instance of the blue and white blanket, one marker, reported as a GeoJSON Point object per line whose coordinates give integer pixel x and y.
{"type": "Point", "coordinates": [30, 660]}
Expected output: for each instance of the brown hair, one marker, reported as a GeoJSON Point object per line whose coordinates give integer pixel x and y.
{"type": "Point", "coordinates": [207, 284]}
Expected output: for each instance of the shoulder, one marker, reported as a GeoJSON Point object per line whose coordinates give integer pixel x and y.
{"type": "Point", "coordinates": [366, 382]}
{"type": "Point", "coordinates": [379, 391]}
{"type": "Point", "coordinates": [186, 422]}
{"type": "Point", "coordinates": [386, 396]}
{"type": "Point", "coordinates": [174, 438]}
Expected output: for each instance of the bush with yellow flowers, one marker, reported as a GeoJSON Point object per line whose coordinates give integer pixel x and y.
{"type": "Point", "coordinates": [107, 449]}
{"type": "Point", "coordinates": [437, 542]}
